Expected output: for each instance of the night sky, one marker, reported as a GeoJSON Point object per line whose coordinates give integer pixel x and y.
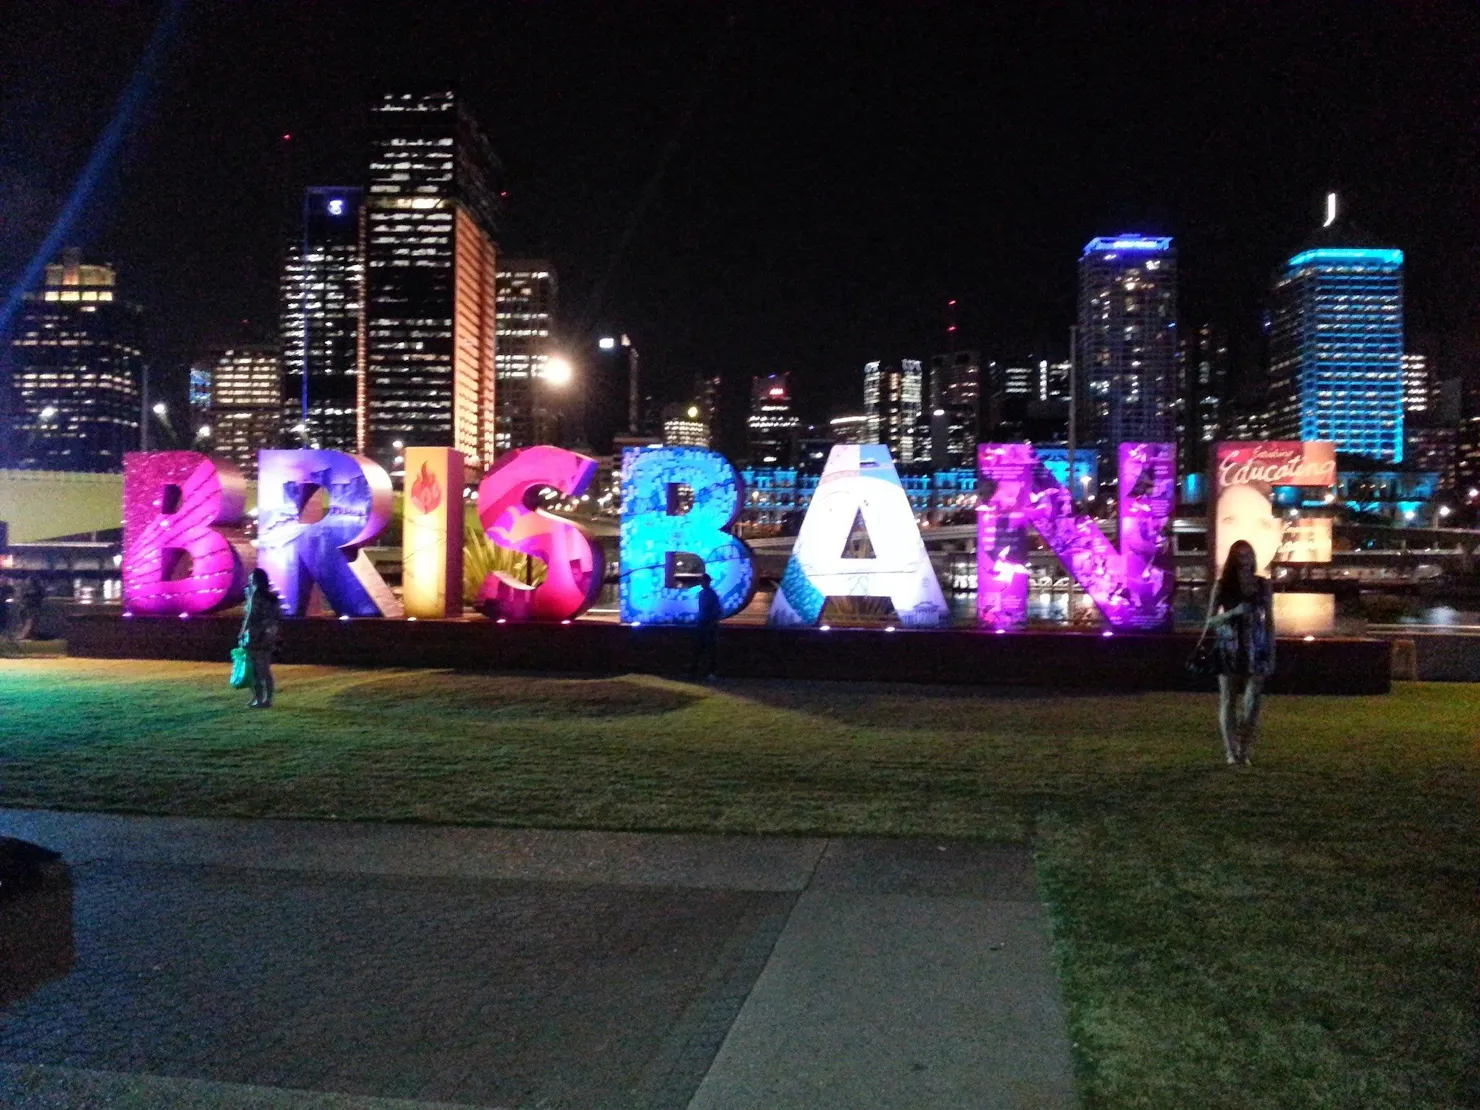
{"type": "Point", "coordinates": [831, 173]}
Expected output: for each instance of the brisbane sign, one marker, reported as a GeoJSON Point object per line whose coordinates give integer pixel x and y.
{"type": "Point", "coordinates": [318, 510]}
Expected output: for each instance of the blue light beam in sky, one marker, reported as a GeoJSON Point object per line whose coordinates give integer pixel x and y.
{"type": "Point", "coordinates": [102, 153]}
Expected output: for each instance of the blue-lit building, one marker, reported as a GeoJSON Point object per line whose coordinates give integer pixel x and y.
{"type": "Point", "coordinates": [1127, 340]}
{"type": "Point", "coordinates": [1336, 347]}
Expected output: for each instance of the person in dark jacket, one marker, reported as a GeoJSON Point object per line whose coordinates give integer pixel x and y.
{"type": "Point", "coordinates": [260, 636]}
{"type": "Point", "coordinates": [1241, 613]}
{"type": "Point", "coordinates": [706, 632]}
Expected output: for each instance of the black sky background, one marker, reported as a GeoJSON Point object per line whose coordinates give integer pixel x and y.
{"type": "Point", "coordinates": [846, 170]}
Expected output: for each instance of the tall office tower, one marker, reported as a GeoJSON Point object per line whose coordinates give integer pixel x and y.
{"type": "Point", "coordinates": [246, 404]}
{"type": "Point", "coordinates": [772, 427]}
{"type": "Point", "coordinates": [706, 395]}
{"type": "Point", "coordinates": [1027, 400]}
{"type": "Point", "coordinates": [526, 322]}
{"type": "Point", "coordinates": [1467, 448]}
{"type": "Point", "coordinates": [954, 419]}
{"type": "Point", "coordinates": [1433, 447]}
{"type": "Point", "coordinates": [956, 382]}
{"type": "Point", "coordinates": [1336, 349]}
{"type": "Point", "coordinates": [1127, 340]}
{"type": "Point", "coordinates": [1416, 385]}
{"type": "Point", "coordinates": [893, 393]}
{"type": "Point", "coordinates": [323, 293]}
{"type": "Point", "coordinates": [75, 372]}
{"type": "Point", "coordinates": [1205, 365]}
{"type": "Point", "coordinates": [431, 224]}
{"type": "Point", "coordinates": [611, 399]}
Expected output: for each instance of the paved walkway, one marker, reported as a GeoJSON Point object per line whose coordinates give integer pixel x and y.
{"type": "Point", "coordinates": [307, 965]}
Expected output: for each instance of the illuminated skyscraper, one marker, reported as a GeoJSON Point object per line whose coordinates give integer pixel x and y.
{"type": "Point", "coordinates": [1205, 364]}
{"type": "Point", "coordinates": [1416, 384]}
{"type": "Point", "coordinates": [685, 426]}
{"type": "Point", "coordinates": [74, 372]}
{"type": "Point", "coordinates": [893, 393]}
{"type": "Point", "coordinates": [772, 426]}
{"type": "Point", "coordinates": [1128, 339]}
{"type": "Point", "coordinates": [323, 292]}
{"type": "Point", "coordinates": [246, 404]}
{"type": "Point", "coordinates": [1336, 349]}
{"type": "Point", "coordinates": [526, 320]}
{"type": "Point", "coordinates": [955, 408]}
{"type": "Point", "coordinates": [430, 276]}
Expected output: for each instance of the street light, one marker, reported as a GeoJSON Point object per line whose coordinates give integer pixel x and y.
{"type": "Point", "coordinates": [558, 371]}
{"type": "Point", "coordinates": [161, 409]}
{"type": "Point", "coordinates": [48, 413]}
{"type": "Point", "coordinates": [203, 432]}
{"type": "Point", "coordinates": [606, 343]}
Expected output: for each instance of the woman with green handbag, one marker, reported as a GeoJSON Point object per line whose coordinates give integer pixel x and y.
{"type": "Point", "coordinates": [260, 636]}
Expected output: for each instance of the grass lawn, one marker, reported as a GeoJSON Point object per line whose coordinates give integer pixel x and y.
{"type": "Point", "coordinates": [1301, 933]}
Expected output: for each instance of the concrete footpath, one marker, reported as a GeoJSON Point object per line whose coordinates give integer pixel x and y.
{"type": "Point", "coordinates": [290, 964]}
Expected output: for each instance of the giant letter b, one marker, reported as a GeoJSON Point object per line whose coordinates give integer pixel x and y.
{"type": "Point", "coordinates": [171, 499]}
{"type": "Point", "coordinates": [655, 530]}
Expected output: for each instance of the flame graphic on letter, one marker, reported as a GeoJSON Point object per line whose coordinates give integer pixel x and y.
{"type": "Point", "coordinates": [426, 491]}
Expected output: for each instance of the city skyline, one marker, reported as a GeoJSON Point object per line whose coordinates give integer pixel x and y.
{"type": "Point", "coordinates": [583, 124]}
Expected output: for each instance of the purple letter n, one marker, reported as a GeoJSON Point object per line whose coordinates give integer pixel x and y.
{"type": "Point", "coordinates": [1132, 586]}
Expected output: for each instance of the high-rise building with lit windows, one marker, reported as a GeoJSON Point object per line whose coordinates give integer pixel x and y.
{"type": "Point", "coordinates": [1205, 366]}
{"type": "Point", "coordinates": [1336, 346]}
{"type": "Point", "coordinates": [73, 373]}
{"type": "Point", "coordinates": [893, 396]}
{"type": "Point", "coordinates": [323, 287]}
{"type": "Point", "coordinates": [526, 321]}
{"type": "Point", "coordinates": [955, 408]}
{"type": "Point", "coordinates": [431, 225]}
{"type": "Point", "coordinates": [772, 427]}
{"type": "Point", "coordinates": [1128, 339]}
{"type": "Point", "coordinates": [684, 426]}
{"type": "Point", "coordinates": [246, 404]}
{"type": "Point", "coordinates": [1417, 386]}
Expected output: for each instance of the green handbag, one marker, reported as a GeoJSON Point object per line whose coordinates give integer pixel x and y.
{"type": "Point", "coordinates": [242, 672]}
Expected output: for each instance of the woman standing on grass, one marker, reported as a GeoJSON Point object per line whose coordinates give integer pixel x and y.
{"type": "Point", "coordinates": [260, 635]}
{"type": "Point", "coordinates": [1242, 613]}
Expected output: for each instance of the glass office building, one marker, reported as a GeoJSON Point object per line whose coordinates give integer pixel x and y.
{"type": "Point", "coordinates": [74, 372]}
{"type": "Point", "coordinates": [246, 404]}
{"type": "Point", "coordinates": [1336, 348]}
{"type": "Point", "coordinates": [772, 427]}
{"type": "Point", "coordinates": [893, 397]}
{"type": "Point", "coordinates": [429, 376]}
{"type": "Point", "coordinates": [323, 292]}
{"type": "Point", "coordinates": [526, 321]}
{"type": "Point", "coordinates": [1128, 340]}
